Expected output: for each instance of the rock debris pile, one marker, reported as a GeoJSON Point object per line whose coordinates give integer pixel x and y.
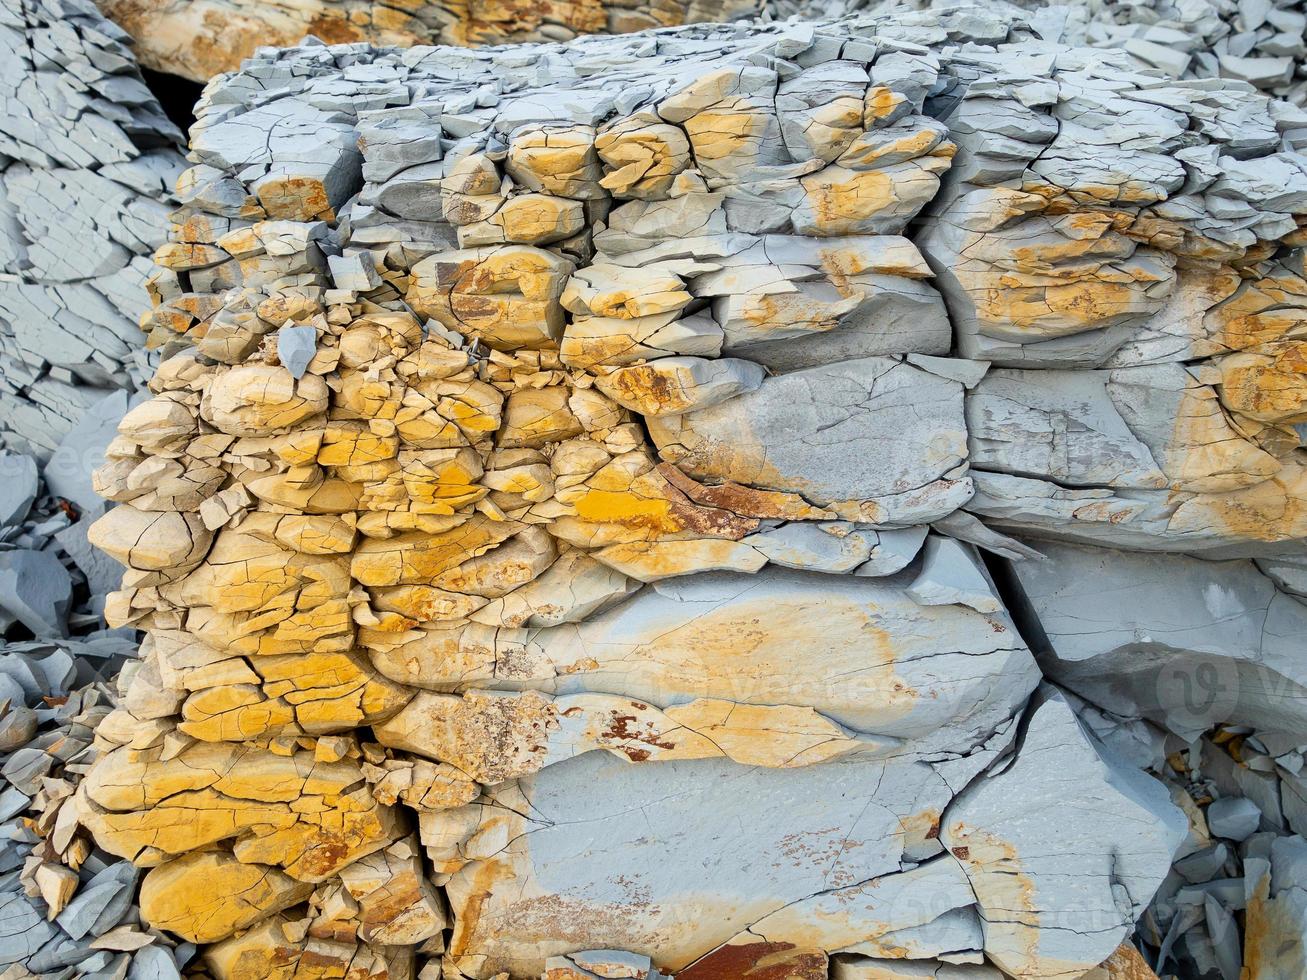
{"type": "Point", "coordinates": [67, 908]}
{"type": "Point", "coordinates": [87, 160]}
{"type": "Point", "coordinates": [559, 548]}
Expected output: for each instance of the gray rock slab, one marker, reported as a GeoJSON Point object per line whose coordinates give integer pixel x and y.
{"type": "Point", "coordinates": [18, 487]}
{"type": "Point", "coordinates": [36, 589]}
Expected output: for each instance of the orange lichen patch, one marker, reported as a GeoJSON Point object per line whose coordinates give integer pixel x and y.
{"type": "Point", "coordinates": [288, 811]}
{"type": "Point", "coordinates": [295, 199]}
{"type": "Point", "coordinates": [768, 735]}
{"type": "Point", "coordinates": [652, 507]}
{"type": "Point", "coordinates": [1260, 311]}
{"type": "Point", "coordinates": [879, 103]}
{"type": "Point", "coordinates": [1274, 510]}
{"type": "Point", "coordinates": [839, 202]}
{"type": "Point", "coordinates": [1205, 452]}
{"type": "Point", "coordinates": [842, 201]}
{"type": "Point", "coordinates": [1258, 952]}
{"type": "Point", "coordinates": [415, 559]}
{"type": "Point", "coordinates": [758, 961]}
{"type": "Point", "coordinates": [652, 389]}
{"type": "Point", "coordinates": [334, 29]}
{"type": "Point", "coordinates": [1125, 963]}
{"type": "Point", "coordinates": [275, 950]}
{"type": "Point", "coordinates": [649, 561]}
{"type": "Point", "coordinates": [491, 738]}
{"type": "Point", "coordinates": [1267, 383]}
{"type": "Point", "coordinates": [208, 896]}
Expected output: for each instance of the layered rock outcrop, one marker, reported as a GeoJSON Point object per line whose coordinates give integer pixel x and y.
{"type": "Point", "coordinates": [560, 545]}
{"type": "Point", "coordinates": [87, 161]}
{"type": "Point", "coordinates": [1262, 43]}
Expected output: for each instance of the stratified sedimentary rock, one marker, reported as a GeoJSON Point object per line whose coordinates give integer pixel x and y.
{"type": "Point", "coordinates": [1262, 43]}
{"type": "Point", "coordinates": [559, 545]}
{"type": "Point", "coordinates": [87, 161]}
{"type": "Point", "coordinates": [200, 38]}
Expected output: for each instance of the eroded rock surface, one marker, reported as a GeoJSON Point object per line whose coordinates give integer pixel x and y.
{"type": "Point", "coordinates": [560, 546]}
{"type": "Point", "coordinates": [87, 162]}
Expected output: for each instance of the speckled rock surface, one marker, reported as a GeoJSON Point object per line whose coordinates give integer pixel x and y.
{"type": "Point", "coordinates": [623, 509]}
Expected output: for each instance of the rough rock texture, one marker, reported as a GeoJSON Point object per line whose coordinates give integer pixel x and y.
{"type": "Point", "coordinates": [1260, 42]}
{"type": "Point", "coordinates": [200, 38]}
{"type": "Point", "coordinates": [87, 160]}
{"type": "Point", "coordinates": [559, 546]}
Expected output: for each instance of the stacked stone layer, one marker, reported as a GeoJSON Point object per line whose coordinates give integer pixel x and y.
{"type": "Point", "coordinates": [1262, 42]}
{"type": "Point", "coordinates": [199, 38]}
{"type": "Point", "coordinates": [558, 550]}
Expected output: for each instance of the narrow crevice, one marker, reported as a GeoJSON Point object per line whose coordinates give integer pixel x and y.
{"type": "Point", "coordinates": [1018, 605]}
{"type": "Point", "coordinates": [176, 95]}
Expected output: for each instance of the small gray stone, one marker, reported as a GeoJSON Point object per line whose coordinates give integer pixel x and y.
{"type": "Point", "coordinates": [153, 963]}
{"type": "Point", "coordinates": [1233, 817]}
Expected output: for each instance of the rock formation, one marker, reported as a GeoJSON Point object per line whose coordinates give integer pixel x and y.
{"type": "Point", "coordinates": [87, 160]}
{"type": "Point", "coordinates": [1262, 42]}
{"type": "Point", "coordinates": [560, 547]}
{"type": "Point", "coordinates": [200, 38]}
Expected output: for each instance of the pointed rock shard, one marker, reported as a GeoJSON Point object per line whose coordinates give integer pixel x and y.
{"type": "Point", "coordinates": [1042, 844]}
{"type": "Point", "coordinates": [295, 348]}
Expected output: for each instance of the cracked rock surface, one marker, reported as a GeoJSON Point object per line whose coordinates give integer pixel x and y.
{"type": "Point", "coordinates": [717, 503]}
{"type": "Point", "coordinates": [1261, 43]}
{"type": "Point", "coordinates": [87, 161]}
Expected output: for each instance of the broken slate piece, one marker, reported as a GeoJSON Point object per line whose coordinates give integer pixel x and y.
{"type": "Point", "coordinates": [1235, 818]}
{"type": "Point", "coordinates": [37, 590]}
{"type": "Point", "coordinates": [296, 347]}
{"type": "Point", "coordinates": [18, 487]}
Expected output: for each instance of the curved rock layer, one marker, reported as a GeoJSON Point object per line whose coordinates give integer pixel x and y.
{"type": "Point", "coordinates": [558, 549]}
{"type": "Point", "coordinates": [87, 160]}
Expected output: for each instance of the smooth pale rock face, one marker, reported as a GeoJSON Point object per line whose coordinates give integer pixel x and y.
{"type": "Point", "coordinates": [584, 455]}
{"type": "Point", "coordinates": [841, 829]}
{"type": "Point", "coordinates": [1037, 900]}
{"type": "Point", "coordinates": [1180, 641]}
{"type": "Point", "coordinates": [828, 434]}
{"type": "Point", "coordinates": [876, 661]}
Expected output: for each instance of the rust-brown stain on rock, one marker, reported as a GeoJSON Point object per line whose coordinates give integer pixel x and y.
{"type": "Point", "coordinates": [758, 961]}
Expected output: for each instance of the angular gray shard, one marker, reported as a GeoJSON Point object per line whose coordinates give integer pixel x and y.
{"type": "Point", "coordinates": [951, 573]}
{"type": "Point", "coordinates": [1183, 642]}
{"type": "Point", "coordinates": [68, 472]}
{"type": "Point", "coordinates": [37, 590]}
{"type": "Point", "coordinates": [103, 574]}
{"type": "Point", "coordinates": [153, 963]}
{"type": "Point", "coordinates": [18, 487]}
{"type": "Point", "coordinates": [1044, 844]}
{"type": "Point", "coordinates": [87, 158]}
{"type": "Point", "coordinates": [1235, 818]}
{"type": "Point", "coordinates": [296, 347]}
